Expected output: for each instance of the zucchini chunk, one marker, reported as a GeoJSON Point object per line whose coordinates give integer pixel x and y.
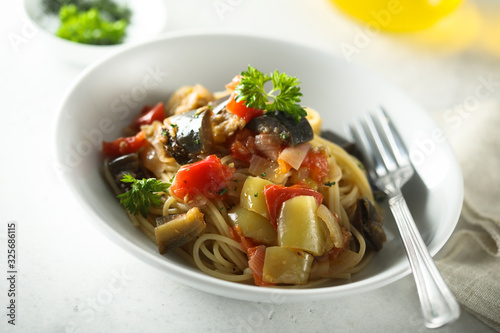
{"type": "Point", "coordinates": [300, 228]}
{"type": "Point", "coordinates": [288, 266]}
{"type": "Point", "coordinates": [253, 225]}
{"type": "Point", "coordinates": [252, 195]}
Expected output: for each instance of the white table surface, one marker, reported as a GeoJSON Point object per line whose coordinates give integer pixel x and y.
{"type": "Point", "coordinates": [72, 279]}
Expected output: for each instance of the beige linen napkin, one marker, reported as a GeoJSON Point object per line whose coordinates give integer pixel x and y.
{"type": "Point", "coordinates": [470, 260]}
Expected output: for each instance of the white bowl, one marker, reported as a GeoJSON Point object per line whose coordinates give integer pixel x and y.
{"type": "Point", "coordinates": [148, 20]}
{"type": "Point", "coordinates": [107, 94]}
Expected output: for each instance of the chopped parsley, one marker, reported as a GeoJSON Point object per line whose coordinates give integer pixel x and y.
{"type": "Point", "coordinates": [89, 26]}
{"type": "Point", "coordinates": [222, 191]}
{"type": "Point", "coordinates": [111, 9]}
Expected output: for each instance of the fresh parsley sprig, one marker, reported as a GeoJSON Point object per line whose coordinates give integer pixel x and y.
{"type": "Point", "coordinates": [143, 194]}
{"type": "Point", "coordinates": [284, 95]}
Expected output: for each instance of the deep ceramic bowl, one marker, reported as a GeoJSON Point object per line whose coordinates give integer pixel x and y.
{"type": "Point", "coordinates": [106, 96]}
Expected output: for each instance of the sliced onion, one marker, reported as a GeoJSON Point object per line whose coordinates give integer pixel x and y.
{"type": "Point", "coordinates": [332, 224]}
{"type": "Point", "coordinates": [268, 145]}
{"type": "Point", "coordinates": [334, 171]}
{"type": "Point", "coordinates": [265, 168]}
{"type": "Point", "coordinates": [295, 155]}
{"type": "Point", "coordinates": [258, 165]}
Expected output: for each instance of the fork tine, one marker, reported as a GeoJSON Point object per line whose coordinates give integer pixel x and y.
{"type": "Point", "coordinates": [393, 138]}
{"type": "Point", "coordinates": [374, 163]}
{"type": "Point", "coordinates": [372, 125]}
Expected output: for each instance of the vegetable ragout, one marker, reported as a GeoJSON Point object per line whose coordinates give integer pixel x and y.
{"type": "Point", "coordinates": [244, 184]}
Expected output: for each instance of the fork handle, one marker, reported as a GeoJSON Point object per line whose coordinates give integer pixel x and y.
{"type": "Point", "coordinates": [438, 304]}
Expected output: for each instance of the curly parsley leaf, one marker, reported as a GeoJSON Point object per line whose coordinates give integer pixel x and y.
{"type": "Point", "coordinates": [251, 89]}
{"type": "Point", "coordinates": [284, 95]}
{"type": "Point", "coordinates": [142, 195]}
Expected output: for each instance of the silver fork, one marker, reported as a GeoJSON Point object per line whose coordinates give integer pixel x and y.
{"type": "Point", "coordinates": [390, 168]}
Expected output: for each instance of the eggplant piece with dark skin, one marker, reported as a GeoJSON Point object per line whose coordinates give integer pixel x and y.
{"type": "Point", "coordinates": [126, 164]}
{"type": "Point", "coordinates": [190, 135]}
{"type": "Point", "coordinates": [286, 128]}
{"type": "Point", "coordinates": [219, 104]}
{"type": "Point", "coordinates": [368, 222]}
{"type": "Point", "coordinates": [175, 232]}
{"type": "Point", "coordinates": [347, 145]}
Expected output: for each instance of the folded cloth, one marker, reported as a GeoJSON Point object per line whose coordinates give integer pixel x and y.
{"type": "Point", "coordinates": [470, 260]}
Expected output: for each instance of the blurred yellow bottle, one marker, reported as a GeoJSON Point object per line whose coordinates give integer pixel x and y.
{"type": "Point", "coordinates": [398, 15]}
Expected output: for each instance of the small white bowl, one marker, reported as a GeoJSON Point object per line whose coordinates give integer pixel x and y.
{"type": "Point", "coordinates": [109, 93]}
{"type": "Point", "coordinates": [148, 19]}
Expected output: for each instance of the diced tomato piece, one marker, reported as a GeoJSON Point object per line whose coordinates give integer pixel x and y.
{"type": "Point", "coordinates": [207, 177]}
{"type": "Point", "coordinates": [255, 253]}
{"type": "Point", "coordinates": [243, 145]}
{"type": "Point", "coordinates": [234, 82]}
{"type": "Point", "coordinates": [276, 195]}
{"type": "Point", "coordinates": [245, 242]}
{"type": "Point", "coordinates": [149, 114]}
{"type": "Point", "coordinates": [124, 145]}
{"type": "Point", "coordinates": [256, 257]}
{"type": "Point", "coordinates": [241, 110]}
{"type": "Point", "coordinates": [317, 164]}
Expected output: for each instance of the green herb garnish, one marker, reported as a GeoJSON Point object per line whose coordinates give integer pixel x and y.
{"type": "Point", "coordinates": [89, 27]}
{"type": "Point", "coordinates": [330, 183]}
{"type": "Point", "coordinates": [110, 9]}
{"type": "Point", "coordinates": [284, 95]}
{"type": "Point", "coordinates": [222, 191]}
{"type": "Point", "coordinates": [143, 194]}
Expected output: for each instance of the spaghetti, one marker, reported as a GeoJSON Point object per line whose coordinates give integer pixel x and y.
{"type": "Point", "coordinates": [224, 238]}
